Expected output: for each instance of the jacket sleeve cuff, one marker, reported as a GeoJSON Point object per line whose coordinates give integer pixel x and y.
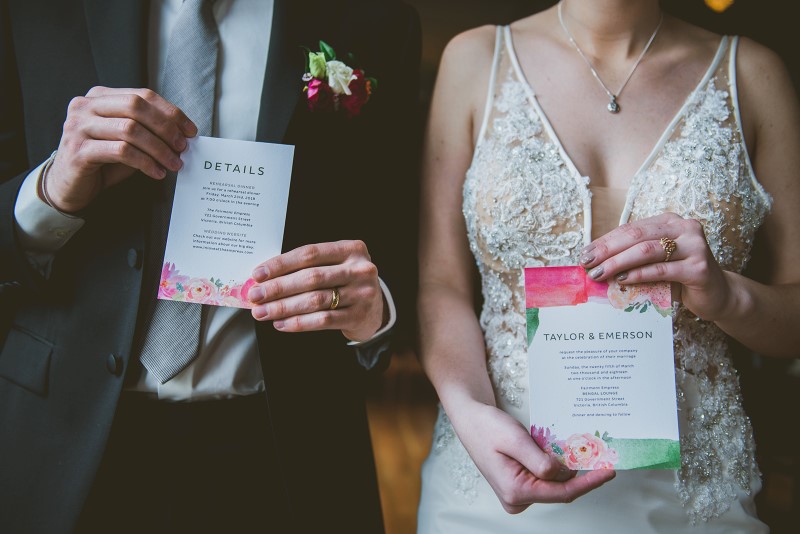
{"type": "Point", "coordinates": [369, 352]}
{"type": "Point", "coordinates": [40, 227]}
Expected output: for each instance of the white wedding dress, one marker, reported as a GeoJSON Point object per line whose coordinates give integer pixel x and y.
{"type": "Point", "coordinates": [526, 204]}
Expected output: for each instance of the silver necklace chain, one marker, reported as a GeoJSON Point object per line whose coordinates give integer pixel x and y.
{"type": "Point", "coordinates": [613, 106]}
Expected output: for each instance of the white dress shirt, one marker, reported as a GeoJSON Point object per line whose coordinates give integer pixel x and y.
{"type": "Point", "coordinates": [228, 362]}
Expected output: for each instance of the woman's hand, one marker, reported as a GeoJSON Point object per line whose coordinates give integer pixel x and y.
{"type": "Point", "coordinates": [518, 471]}
{"type": "Point", "coordinates": [325, 286]}
{"type": "Point", "coordinates": [634, 253]}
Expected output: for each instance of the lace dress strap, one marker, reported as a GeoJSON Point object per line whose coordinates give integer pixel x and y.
{"type": "Point", "coordinates": [493, 77]}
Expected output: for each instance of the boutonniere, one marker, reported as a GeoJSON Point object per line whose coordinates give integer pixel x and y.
{"type": "Point", "coordinates": [334, 86]}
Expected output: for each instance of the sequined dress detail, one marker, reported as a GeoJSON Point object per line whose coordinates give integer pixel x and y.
{"type": "Point", "coordinates": [525, 204]}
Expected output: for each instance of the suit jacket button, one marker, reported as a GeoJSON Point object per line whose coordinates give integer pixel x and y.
{"type": "Point", "coordinates": [114, 364]}
{"type": "Point", "coordinates": [135, 258]}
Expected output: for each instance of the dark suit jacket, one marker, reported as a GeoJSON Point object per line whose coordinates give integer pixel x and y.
{"type": "Point", "coordinates": [65, 343]}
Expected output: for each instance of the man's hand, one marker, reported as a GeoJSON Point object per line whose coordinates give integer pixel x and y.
{"type": "Point", "coordinates": [108, 135]}
{"type": "Point", "coordinates": [296, 290]}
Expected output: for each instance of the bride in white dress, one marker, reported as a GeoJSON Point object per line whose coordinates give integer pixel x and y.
{"type": "Point", "coordinates": [703, 149]}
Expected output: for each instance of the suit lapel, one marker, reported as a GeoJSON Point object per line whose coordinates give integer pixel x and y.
{"type": "Point", "coordinates": [117, 33]}
{"type": "Point", "coordinates": [294, 24]}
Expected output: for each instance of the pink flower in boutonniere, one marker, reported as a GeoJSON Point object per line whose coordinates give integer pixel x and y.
{"type": "Point", "coordinates": [332, 85]}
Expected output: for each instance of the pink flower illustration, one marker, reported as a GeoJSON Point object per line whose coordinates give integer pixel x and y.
{"type": "Point", "coordinates": [200, 290]}
{"type": "Point", "coordinates": [579, 451]}
{"type": "Point", "coordinates": [638, 296]}
{"type": "Point", "coordinates": [240, 293]}
{"type": "Point", "coordinates": [541, 435]}
{"type": "Point", "coordinates": [175, 286]}
{"type": "Point", "coordinates": [609, 462]}
{"type": "Point", "coordinates": [586, 451]}
{"type": "Point", "coordinates": [171, 281]}
{"type": "Point", "coordinates": [547, 441]}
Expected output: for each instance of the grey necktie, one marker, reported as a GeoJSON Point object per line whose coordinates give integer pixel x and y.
{"type": "Point", "coordinates": [172, 329]}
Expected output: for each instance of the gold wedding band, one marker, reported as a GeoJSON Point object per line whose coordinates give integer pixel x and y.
{"type": "Point", "coordinates": [334, 299]}
{"type": "Point", "coordinates": [669, 246]}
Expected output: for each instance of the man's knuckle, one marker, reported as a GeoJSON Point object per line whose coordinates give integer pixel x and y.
{"type": "Point", "coordinates": [76, 104]}
{"type": "Point", "coordinates": [127, 127]}
{"type": "Point", "coordinates": [315, 277]}
{"type": "Point", "coordinates": [274, 287]}
{"type": "Point", "coordinates": [310, 253]}
{"type": "Point", "coordinates": [71, 124]}
{"type": "Point", "coordinates": [274, 265]}
{"type": "Point", "coordinates": [368, 293]}
{"type": "Point", "coordinates": [134, 103]}
{"type": "Point", "coordinates": [119, 149]}
{"type": "Point", "coordinates": [318, 300]}
{"type": "Point", "coordinates": [147, 94]}
{"type": "Point", "coordinates": [357, 246]}
{"type": "Point", "coordinates": [279, 308]}
{"type": "Point", "coordinates": [366, 269]}
{"type": "Point", "coordinates": [173, 113]}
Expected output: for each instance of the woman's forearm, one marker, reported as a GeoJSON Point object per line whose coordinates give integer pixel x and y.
{"type": "Point", "coordinates": [452, 351]}
{"type": "Point", "coordinates": [764, 318]}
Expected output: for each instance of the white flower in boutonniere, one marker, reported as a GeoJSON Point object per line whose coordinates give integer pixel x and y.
{"type": "Point", "coordinates": [333, 85]}
{"type": "Point", "coordinates": [339, 77]}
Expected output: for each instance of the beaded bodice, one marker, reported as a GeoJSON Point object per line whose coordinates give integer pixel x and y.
{"type": "Point", "coordinates": [525, 204]}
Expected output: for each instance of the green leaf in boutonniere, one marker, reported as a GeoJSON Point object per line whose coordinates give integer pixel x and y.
{"type": "Point", "coordinates": [326, 49]}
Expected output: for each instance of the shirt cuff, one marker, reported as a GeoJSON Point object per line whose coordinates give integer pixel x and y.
{"type": "Point", "coordinates": [368, 352]}
{"type": "Point", "coordinates": [41, 228]}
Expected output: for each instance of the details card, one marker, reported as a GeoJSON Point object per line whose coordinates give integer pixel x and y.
{"type": "Point", "coordinates": [227, 217]}
{"type": "Point", "coordinates": [601, 371]}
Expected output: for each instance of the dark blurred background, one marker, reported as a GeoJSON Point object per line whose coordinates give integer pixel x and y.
{"type": "Point", "coordinates": [402, 402]}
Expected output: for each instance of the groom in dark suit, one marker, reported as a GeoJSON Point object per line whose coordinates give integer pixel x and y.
{"type": "Point", "coordinates": [265, 427]}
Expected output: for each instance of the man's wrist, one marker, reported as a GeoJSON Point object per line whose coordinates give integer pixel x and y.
{"type": "Point", "coordinates": [40, 226]}
{"type": "Point", "coordinates": [389, 317]}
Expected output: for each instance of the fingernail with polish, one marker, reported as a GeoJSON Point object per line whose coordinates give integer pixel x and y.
{"type": "Point", "coordinates": [622, 277]}
{"type": "Point", "coordinates": [256, 293]}
{"type": "Point", "coordinates": [260, 274]}
{"type": "Point", "coordinates": [587, 258]}
{"type": "Point", "coordinates": [597, 272]}
{"type": "Point", "coordinates": [587, 249]}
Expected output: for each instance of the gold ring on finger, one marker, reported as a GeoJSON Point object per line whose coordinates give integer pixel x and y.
{"type": "Point", "coordinates": [669, 246]}
{"type": "Point", "coordinates": [334, 299]}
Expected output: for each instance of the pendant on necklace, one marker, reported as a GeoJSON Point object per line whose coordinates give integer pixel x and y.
{"type": "Point", "coordinates": [613, 107]}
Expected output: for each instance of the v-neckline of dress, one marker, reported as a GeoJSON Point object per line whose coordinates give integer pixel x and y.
{"type": "Point", "coordinates": [583, 180]}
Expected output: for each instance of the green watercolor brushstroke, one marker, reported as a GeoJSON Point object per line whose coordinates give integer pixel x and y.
{"type": "Point", "coordinates": [532, 316]}
{"type": "Point", "coordinates": [646, 453]}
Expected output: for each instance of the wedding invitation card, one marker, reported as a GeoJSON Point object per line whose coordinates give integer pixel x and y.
{"type": "Point", "coordinates": [601, 371]}
{"type": "Point", "coordinates": [227, 217]}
